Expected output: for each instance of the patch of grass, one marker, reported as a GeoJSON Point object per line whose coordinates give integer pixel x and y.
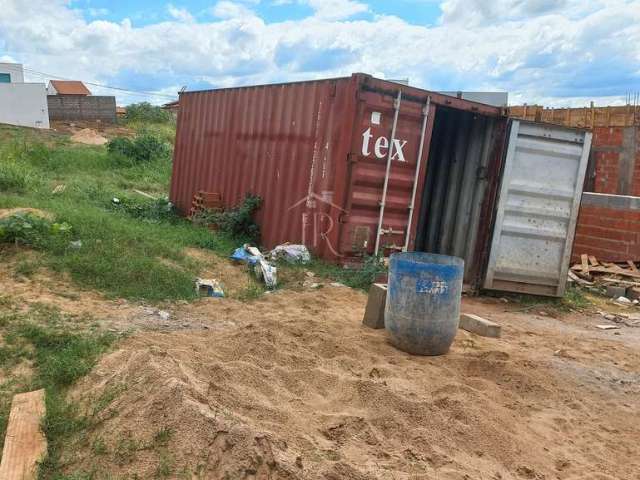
{"type": "Point", "coordinates": [26, 268]}
{"type": "Point", "coordinates": [358, 276]}
{"type": "Point", "coordinates": [62, 357]}
{"type": "Point", "coordinates": [60, 354]}
{"type": "Point", "coordinates": [573, 299]}
{"type": "Point", "coordinates": [99, 447]}
{"type": "Point", "coordinates": [165, 466]}
{"type": "Point", "coordinates": [162, 436]}
{"type": "Point", "coordinates": [126, 449]}
{"type": "Point", "coordinates": [15, 178]}
{"type": "Point", "coordinates": [252, 291]}
{"type": "Point", "coordinates": [120, 255]}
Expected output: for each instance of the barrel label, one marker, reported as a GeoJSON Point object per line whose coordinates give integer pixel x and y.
{"type": "Point", "coordinates": [433, 287]}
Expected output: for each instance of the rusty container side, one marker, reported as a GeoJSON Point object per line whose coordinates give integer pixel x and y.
{"type": "Point", "coordinates": [281, 142]}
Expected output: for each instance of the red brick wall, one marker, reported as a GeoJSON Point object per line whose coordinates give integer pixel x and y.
{"type": "Point", "coordinates": [635, 186]}
{"type": "Point", "coordinates": [607, 141]}
{"type": "Point", "coordinates": [607, 146]}
{"type": "Point", "coordinates": [610, 234]}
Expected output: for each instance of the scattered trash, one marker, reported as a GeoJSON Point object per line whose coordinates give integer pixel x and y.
{"type": "Point", "coordinates": [241, 255]}
{"type": "Point", "coordinates": [607, 327]}
{"type": "Point", "coordinates": [613, 279]}
{"type": "Point", "coordinates": [310, 274]}
{"type": "Point", "coordinates": [76, 244]}
{"type": "Point", "coordinates": [209, 287]}
{"type": "Point", "coordinates": [623, 301]}
{"type": "Point", "coordinates": [161, 314]}
{"type": "Point", "coordinates": [291, 253]}
{"type": "Point", "coordinates": [337, 284]}
{"type": "Point", "coordinates": [311, 285]}
{"type": "Point", "coordinates": [263, 269]}
{"type": "Point", "coordinates": [59, 188]}
{"type": "Point", "coordinates": [629, 320]}
{"type": "Point", "coordinates": [266, 272]}
{"type": "Point", "coordinates": [115, 200]}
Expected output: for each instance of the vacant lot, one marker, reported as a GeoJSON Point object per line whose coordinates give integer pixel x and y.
{"type": "Point", "coordinates": [144, 380]}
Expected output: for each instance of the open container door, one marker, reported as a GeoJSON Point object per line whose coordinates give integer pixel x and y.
{"type": "Point", "coordinates": [537, 210]}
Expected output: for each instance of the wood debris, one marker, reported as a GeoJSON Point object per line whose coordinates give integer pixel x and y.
{"type": "Point", "coordinates": [605, 273]}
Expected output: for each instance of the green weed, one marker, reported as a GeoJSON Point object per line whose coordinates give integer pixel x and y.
{"type": "Point", "coordinates": [165, 466]}
{"type": "Point", "coordinates": [162, 436]}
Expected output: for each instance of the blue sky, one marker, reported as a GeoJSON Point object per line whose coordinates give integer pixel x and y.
{"type": "Point", "coordinates": [145, 12]}
{"type": "Point", "coordinates": [551, 52]}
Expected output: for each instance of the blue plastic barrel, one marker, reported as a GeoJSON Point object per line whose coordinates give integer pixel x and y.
{"type": "Point", "coordinates": [423, 302]}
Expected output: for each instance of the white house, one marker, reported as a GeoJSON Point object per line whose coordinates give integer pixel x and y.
{"type": "Point", "coordinates": [23, 104]}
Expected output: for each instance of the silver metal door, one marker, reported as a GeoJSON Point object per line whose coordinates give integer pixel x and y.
{"type": "Point", "coordinates": [537, 208]}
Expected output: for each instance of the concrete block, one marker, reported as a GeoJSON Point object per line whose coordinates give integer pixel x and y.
{"type": "Point", "coordinates": [616, 291]}
{"type": "Point", "coordinates": [480, 326]}
{"type": "Point", "coordinates": [374, 313]}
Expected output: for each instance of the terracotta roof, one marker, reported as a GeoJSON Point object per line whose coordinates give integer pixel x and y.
{"type": "Point", "coordinates": [70, 87]}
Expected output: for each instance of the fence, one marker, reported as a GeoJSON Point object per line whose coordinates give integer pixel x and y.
{"type": "Point", "coordinates": [585, 117]}
{"type": "Point", "coordinates": [77, 108]}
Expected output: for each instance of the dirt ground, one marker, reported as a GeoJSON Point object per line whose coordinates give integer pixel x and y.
{"type": "Point", "coordinates": [291, 386]}
{"type": "Point", "coordinates": [91, 133]}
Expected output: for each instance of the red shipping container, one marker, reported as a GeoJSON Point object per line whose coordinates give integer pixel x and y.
{"type": "Point", "coordinates": [350, 165]}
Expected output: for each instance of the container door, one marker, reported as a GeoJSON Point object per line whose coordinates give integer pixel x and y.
{"type": "Point", "coordinates": [386, 172]}
{"type": "Point", "coordinates": [537, 209]}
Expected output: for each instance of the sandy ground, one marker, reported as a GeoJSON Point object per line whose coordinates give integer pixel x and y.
{"type": "Point", "coordinates": [88, 136]}
{"type": "Point", "coordinates": [291, 386]}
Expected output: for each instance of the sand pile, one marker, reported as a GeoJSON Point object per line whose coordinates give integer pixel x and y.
{"type": "Point", "coordinates": [88, 136]}
{"type": "Point", "coordinates": [292, 387]}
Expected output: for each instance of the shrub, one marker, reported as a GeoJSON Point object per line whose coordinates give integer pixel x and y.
{"type": "Point", "coordinates": [142, 149]}
{"type": "Point", "coordinates": [151, 210]}
{"type": "Point", "coordinates": [238, 221]}
{"type": "Point", "coordinates": [29, 229]}
{"type": "Point", "coordinates": [146, 112]}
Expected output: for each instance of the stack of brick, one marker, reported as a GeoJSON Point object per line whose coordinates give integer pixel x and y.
{"type": "Point", "coordinates": [205, 201]}
{"type": "Point", "coordinates": [608, 228]}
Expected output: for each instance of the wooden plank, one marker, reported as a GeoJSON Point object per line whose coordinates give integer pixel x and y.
{"type": "Point", "coordinates": [632, 266]}
{"type": "Point", "coordinates": [614, 271]}
{"type": "Point", "coordinates": [25, 444]}
{"type": "Point", "coordinates": [593, 260]}
{"type": "Point", "coordinates": [585, 263]}
{"type": "Point", "coordinates": [617, 281]}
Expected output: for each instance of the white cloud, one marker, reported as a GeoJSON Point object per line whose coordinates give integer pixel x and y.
{"type": "Point", "coordinates": [180, 14]}
{"type": "Point", "coordinates": [336, 9]}
{"type": "Point", "coordinates": [555, 53]}
{"type": "Point", "coordinates": [226, 9]}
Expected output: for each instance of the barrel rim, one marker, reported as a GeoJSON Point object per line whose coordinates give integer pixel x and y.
{"type": "Point", "coordinates": [427, 258]}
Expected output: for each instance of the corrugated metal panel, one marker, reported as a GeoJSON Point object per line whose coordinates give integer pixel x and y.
{"type": "Point", "coordinates": [282, 142]}
{"type": "Point", "coordinates": [537, 209]}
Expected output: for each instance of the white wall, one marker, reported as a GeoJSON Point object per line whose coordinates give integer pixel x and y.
{"type": "Point", "coordinates": [24, 104]}
{"type": "Point", "coordinates": [13, 69]}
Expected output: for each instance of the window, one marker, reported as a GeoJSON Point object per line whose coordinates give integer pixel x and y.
{"type": "Point", "coordinates": [5, 78]}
